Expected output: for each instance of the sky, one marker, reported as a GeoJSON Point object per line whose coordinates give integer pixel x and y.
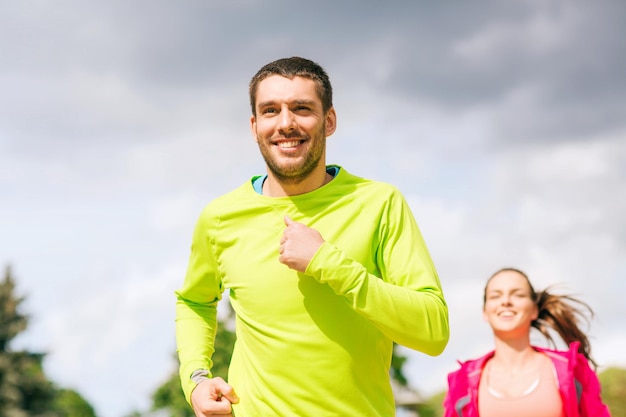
{"type": "Point", "coordinates": [503, 123]}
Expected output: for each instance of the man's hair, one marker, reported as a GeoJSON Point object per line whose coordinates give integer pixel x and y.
{"type": "Point", "coordinates": [290, 68]}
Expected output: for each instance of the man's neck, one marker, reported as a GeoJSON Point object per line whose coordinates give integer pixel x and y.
{"type": "Point", "coordinates": [273, 187]}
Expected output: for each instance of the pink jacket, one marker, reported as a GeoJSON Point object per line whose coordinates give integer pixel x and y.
{"type": "Point", "coordinates": [578, 385]}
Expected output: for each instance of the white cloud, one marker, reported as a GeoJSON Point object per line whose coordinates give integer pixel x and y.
{"type": "Point", "coordinates": [502, 124]}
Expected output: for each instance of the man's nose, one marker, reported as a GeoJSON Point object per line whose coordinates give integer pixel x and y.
{"type": "Point", "coordinates": [287, 120]}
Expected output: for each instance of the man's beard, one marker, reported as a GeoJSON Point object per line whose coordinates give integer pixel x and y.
{"type": "Point", "coordinates": [295, 173]}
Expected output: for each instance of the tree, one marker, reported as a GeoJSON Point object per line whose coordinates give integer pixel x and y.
{"type": "Point", "coordinates": [613, 382]}
{"type": "Point", "coordinates": [25, 391]}
{"type": "Point", "coordinates": [433, 406]}
{"type": "Point", "coordinates": [397, 362]}
{"type": "Point", "coordinates": [69, 403]}
{"type": "Point", "coordinates": [169, 396]}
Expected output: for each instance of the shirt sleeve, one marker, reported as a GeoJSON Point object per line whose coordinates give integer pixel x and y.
{"type": "Point", "coordinates": [196, 308]}
{"type": "Point", "coordinates": [590, 404]}
{"type": "Point", "coordinates": [406, 303]}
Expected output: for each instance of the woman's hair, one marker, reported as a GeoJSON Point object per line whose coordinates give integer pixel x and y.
{"type": "Point", "coordinates": [290, 68]}
{"type": "Point", "coordinates": [561, 313]}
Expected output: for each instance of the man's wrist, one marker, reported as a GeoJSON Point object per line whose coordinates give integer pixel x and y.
{"type": "Point", "coordinates": [199, 375]}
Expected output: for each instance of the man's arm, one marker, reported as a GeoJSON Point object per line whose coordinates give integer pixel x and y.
{"type": "Point", "coordinates": [407, 304]}
{"type": "Point", "coordinates": [196, 308]}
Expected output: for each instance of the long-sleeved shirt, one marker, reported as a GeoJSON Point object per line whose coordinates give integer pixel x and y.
{"type": "Point", "coordinates": [317, 343]}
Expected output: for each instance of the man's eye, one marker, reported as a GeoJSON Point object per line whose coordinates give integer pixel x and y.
{"type": "Point", "coordinates": [269, 111]}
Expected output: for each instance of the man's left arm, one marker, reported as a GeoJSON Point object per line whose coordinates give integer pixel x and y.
{"type": "Point", "coordinates": [407, 304]}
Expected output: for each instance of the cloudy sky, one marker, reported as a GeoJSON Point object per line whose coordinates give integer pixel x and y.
{"type": "Point", "coordinates": [502, 122]}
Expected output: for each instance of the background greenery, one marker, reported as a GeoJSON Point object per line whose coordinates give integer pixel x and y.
{"type": "Point", "coordinates": [25, 391]}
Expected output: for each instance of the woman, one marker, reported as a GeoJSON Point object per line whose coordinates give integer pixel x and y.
{"type": "Point", "coordinates": [518, 379]}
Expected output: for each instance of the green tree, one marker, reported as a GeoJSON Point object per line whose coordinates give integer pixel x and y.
{"type": "Point", "coordinates": [397, 363]}
{"type": "Point", "coordinates": [169, 396]}
{"type": "Point", "coordinates": [613, 382]}
{"type": "Point", "coordinates": [69, 403]}
{"type": "Point", "coordinates": [25, 391]}
{"type": "Point", "coordinates": [433, 406]}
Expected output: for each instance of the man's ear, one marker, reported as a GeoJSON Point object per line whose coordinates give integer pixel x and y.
{"type": "Point", "coordinates": [331, 121]}
{"type": "Point", "coordinates": [253, 128]}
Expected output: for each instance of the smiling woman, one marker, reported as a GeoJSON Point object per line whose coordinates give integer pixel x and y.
{"type": "Point", "coordinates": [518, 379]}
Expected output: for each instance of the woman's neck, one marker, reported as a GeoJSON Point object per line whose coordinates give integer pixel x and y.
{"type": "Point", "coordinates": [513, 355]}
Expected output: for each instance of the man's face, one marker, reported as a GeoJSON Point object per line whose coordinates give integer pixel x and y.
{"type": "Point", "coordinates": [291, 127]}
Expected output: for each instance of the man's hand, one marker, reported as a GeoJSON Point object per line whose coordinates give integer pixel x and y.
{"type": "Point", "coordinates": [298, 245]}
{"type": "Point", "coordinates": [213, 397]}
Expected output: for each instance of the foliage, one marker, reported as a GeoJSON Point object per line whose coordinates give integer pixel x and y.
{"type": "Point", "coordinates": [613, 381]}
{"type": "Point", "coordinates": [25, 391]}
{"type": "Point", "coordinates": [169, 396]}
{"type": "Point", "coordinates": [433, 406]}
{"type": "Point", "coordinates": [69, 403]}
{"type": "Point", "coordinates": [224, 345]}
{"type": "Point", "coordinates": [12, 322]}
{"type": "Point", "coordinates": [397, 362]}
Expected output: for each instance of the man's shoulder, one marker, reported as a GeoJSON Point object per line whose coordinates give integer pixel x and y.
{"type": "Point", "coordinates": [232, 198]}
{"type": "Point", "coordinates": [367, 184]}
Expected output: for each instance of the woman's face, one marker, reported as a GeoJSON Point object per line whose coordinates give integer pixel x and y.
{"type": "Point", "coordinates": [509, 306]}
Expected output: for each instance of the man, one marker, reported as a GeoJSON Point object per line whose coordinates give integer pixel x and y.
{"type": "Point", "coordinates": [325, 271]}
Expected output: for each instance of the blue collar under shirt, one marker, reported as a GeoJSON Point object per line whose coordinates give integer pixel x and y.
{"type": "Point", "coordinates": [257, 182]}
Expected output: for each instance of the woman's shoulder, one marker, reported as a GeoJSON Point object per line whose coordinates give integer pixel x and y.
{"type": "Point", "coordinates": [570, 355]}
{"type": "Point", "coordinates": [472, 366]}
{"type": "Point", "coordinates": [569, 361]}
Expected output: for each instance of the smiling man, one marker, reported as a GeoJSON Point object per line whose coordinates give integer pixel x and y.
{"type": "Point", "coordinates": [326, 270]}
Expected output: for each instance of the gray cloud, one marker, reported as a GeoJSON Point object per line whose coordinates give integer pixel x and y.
{"type": "Point", "coordinates": [502, 122]}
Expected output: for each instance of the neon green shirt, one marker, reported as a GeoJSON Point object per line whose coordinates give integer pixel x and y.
{"type": "Point", "coordinates": [317, 343]}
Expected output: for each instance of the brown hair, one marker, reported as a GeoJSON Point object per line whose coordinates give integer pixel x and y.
{"type": "Point", "coordinates": [294, 67]}
{"type": "Point", "coordinates": [558, 312]}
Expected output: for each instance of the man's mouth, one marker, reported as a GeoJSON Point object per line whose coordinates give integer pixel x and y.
{"type": "Point", "coordinates": [289, 144]}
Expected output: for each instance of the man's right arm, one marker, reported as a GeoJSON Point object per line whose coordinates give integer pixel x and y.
{"type": "Point", "coordinates": [196, 308]}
